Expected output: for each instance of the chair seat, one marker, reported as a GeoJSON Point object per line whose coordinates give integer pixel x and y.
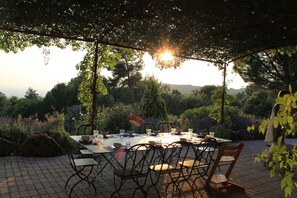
{"type": "Point", "coordinates": [228, 155]}
{"type": "Point", "coordinates": [193, 164]}
{"type": "Point", "coordinates": [85, 162]}
{"type": "Point", "coordinates": [220, 178]}
{"type": "Point", "coordinates": [162, 168]}
{"type": "Point", "coordinates": [207, 149]}
{"type": "Point", "coordinates": [227, 159]}
{"type": "Point", "coordinates": [86, 152]}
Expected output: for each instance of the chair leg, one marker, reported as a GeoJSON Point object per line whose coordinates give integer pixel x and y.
{"type": "Point", "coordinates": [117, 188]}
{"type": "Point", "coordinates": [86, 177]}
{"type": "Point", "coordinates": [174, 179]}
{"type": "Point", "coordinates": [69, 179]}
{"type": "Point", "coordinates": [83, 177]}
{"type": "Point", "coordinates": [186, 179]}
{"type": "Point", "coordinates": [140, 186]}
{"type": "Point", "coordinates": [154, 184]}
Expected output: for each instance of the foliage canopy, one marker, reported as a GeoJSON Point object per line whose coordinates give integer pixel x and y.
{"type": "Point", "coordinates": [212, 30]}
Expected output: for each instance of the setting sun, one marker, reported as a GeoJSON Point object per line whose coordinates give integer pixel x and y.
{"type": "Point", "coordinates": [166, 56]}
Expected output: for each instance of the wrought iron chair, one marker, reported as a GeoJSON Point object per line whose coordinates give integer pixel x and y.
{"type": "Point", "coordinates": [144, 126]}
{"type": "Point", "coordinates": [228, 155]}
{"type": "Point", "coordinates": [135, 168]}
{"type": "Point", "coordinates": [169, 163]}
{"type": "Point", "coordinates": [197, 166]}
{"type": "Point", "coordinates": [79, 167]}
{"type": "Point", "coordinates": [85, 129]}
{"type": "Point", "coordinates": [165, 127]}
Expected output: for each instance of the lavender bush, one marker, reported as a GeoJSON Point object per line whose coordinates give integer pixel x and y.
{"type": "Point", "coordinates": [19, 129]}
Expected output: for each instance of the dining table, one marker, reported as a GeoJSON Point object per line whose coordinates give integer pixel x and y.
{"type": "Point", "coordinates": [106, 148]}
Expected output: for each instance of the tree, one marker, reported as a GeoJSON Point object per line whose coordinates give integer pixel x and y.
{"type": "Point", "coordinates": [259, 104]}
{"type": "Point", "coordinates": [126, 82]}
{"type": "Point", "coordinates": [31, 94]}
{"type": "Point", "coordinates": [152, 104]}
{"type": "Point", "coordinates": [13, 101]}
{"type": "Point", "coordinates": [48, 103]}
{"type": "Point", "coordinates": [173, 100]}
{"type": "Point", "coordinates": [59, 94]}
{"type": "Point", "coordinates": [206, 92]}
{"type": "Point", "coordinates": [269, 69]}
{"type": "Point", "coordinates": [92, 84]}
{"type": "Point", "coordinates": [216, 111]}
{"type": "Point", "coordinates": [126, 73]}
{"type": "Point", "coordinates": [4, 103]}
{"type": "Point", "coordinates": [72, 91]}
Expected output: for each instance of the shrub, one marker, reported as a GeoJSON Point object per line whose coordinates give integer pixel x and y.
{"type": "Point", "coordinates": [241, 123]}
{"type": "Point", "coordinates": [18, 130]}
{"type": "Point", "coordinates": [72, 116]}
{"type": "Point", "coordinates": [113, 119]}
{"type": "Point", "coordinates": [15, 130]}
{"type": "Point", "coordinates": [197, 119]}
{"type": "Point", "coordinates": [54, 127]}
{"type": "Point", "coordinates": [196, 113]}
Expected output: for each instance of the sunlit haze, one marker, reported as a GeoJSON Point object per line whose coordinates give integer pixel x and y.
{"type": "Point", "coordinates": [28, 69]}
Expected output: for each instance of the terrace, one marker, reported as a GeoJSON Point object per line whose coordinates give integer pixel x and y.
{"type": "Point", "coordinates": [46, 177]}
{"type": "Point", "coordinates": [218, 32]}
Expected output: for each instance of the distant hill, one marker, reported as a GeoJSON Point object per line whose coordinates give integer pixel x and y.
{"type": "Point", "coordinates": [189, 88]}
{"type": "Point", "coordinates": [235, 91]}
{"type": "Point", "coordinates": [183, 88]}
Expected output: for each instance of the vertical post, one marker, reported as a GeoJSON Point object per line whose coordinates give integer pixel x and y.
{"type": "Point", "coordinates": [93, 88]}
{"type": "Point", "coordinates": [223, 94]}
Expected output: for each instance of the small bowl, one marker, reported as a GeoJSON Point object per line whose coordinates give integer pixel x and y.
{"type": "Point", "coordinates": [117, 145]}
{"type": "Point", "coordinates": [85, 138]}
{"type": "Point", "coordinates": [152, 142]}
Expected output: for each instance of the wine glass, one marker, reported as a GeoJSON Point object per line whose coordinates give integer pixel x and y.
{"type": "Point", "coordinates": [100, 139]}
{"type": "Point", "coordinates": [148, 132]}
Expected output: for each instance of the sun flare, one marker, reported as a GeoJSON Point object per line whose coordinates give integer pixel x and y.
{"type": "Point", "coordinates": [166, 56]}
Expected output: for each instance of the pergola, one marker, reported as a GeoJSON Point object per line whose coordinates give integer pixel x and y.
{"type": "Point", "coordinates": [219, 31]}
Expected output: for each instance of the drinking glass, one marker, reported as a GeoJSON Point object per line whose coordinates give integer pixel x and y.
{"type": "Point", "coordinates": [128, 142]}
{"type": "Point", "coordinates": [190, 136]}
{"type": "Point", "coordinates": [148, 132]}
{"type": "Point", "coordinates": [173, 130]}
{"type": "Point", "coordinates": [160, 138]}
{"type": "Point", "coordinates": [211, 134]}
{"type": "Point", "coordinates": [95, 133]}
{"type": "Point", "coordinates": [100, 139]}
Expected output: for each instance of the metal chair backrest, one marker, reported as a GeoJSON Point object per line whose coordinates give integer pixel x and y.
{"type": "Point", "coordinates": [84, 129]}
{"type": "Point", "coordinates": [144, 126]}
{"type": "Point", "coordinates": [172, 156]}
{"type": "Point", "coordinates": [137, 160]}
{"type": "Point", "coordinates": [165, 127]}
{"type": "Point", "coordinates": [71, 159]}
{"type": "Point", "coordinates": [205, 151]}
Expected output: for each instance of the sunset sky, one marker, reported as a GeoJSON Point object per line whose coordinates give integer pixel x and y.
{"type": "Point", "coordinates": [28, 69]}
